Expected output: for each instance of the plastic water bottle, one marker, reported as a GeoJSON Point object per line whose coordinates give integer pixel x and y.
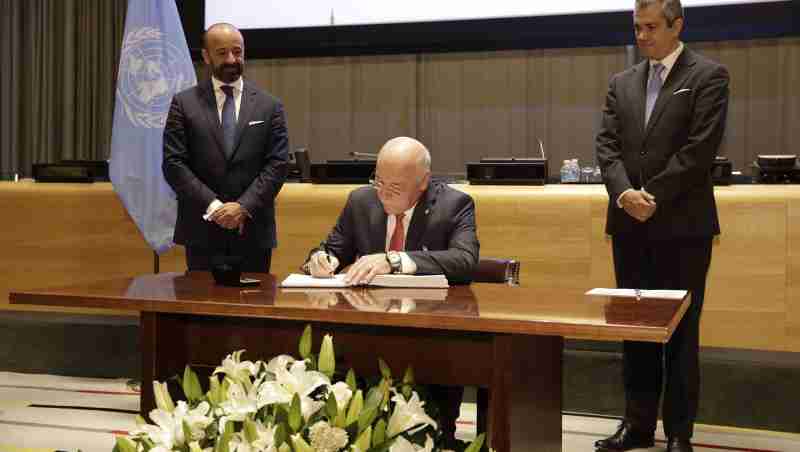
{"type": "Point", "coordinates": [575, 173]}
{"type": "Point", "coordinates": [565, 170]}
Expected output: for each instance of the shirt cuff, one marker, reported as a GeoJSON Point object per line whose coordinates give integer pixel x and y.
{"type": "Point", "coordinates": [619, 198]}
{"type": "Point", "coordinates": [407, 265]}
{"type": "Point", "coordinates": [215, 204]}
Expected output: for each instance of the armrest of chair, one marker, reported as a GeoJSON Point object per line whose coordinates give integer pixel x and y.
{"type": "Point", "coordinates": [495, 270]}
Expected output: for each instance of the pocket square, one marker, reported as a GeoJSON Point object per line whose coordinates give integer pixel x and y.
{"type": "Point", "coordinates": [255, 123]}
{"type": "Point", "coordinates": [681, 91]}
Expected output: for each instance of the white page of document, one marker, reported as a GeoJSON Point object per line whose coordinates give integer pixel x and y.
{"type": "Point", "coordinates": [631, 293]}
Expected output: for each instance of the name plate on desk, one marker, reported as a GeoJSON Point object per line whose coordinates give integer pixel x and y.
{"type": "Point", "coordinates": [525, 171]}
{"type": "Point", "coordinates": [342, 172]}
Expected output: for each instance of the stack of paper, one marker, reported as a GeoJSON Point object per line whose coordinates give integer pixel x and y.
{"type": "Point", "coordinates": [633, 293]}
{"type": "Point", "coordinates": [415, 281]}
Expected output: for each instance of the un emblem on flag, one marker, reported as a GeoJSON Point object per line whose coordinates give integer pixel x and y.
{"type": "Point", "coordinates": [148, 76]}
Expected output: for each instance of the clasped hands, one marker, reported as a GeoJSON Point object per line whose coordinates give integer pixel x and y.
{"type": "Point", "coordinates": [639, 204]}
{"type": "Point", "coordinates": [230, 215]}
{"type": "Point", "coordinates": [323, 265]}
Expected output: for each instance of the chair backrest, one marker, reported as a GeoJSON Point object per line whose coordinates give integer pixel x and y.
{"type": "Point", "coordinates": [496, 270]}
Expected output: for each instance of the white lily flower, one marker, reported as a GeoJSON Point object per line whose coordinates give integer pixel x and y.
{"type": "Point", "coordinates": [403, 445]}
{"type": "Point", "coordinates": [343, 394]}
{"type": "Point", "coordinates": [237, 370]}
{"type": "Point", "coordinates": [296, 380]}
{"type": "Point", "coordinates": [168, 431]}
{"type": "Point", "coordinates": [280, 362]}
{"type": "Point", "coordinates": [407, 414]}
{"type": "Point", "coordinates": [325, 438]}
{"type": "Point", "coordinates": [240, 401]}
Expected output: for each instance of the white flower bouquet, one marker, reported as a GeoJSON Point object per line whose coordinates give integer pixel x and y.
{"type": "Point", "coordinates": [288, 405]}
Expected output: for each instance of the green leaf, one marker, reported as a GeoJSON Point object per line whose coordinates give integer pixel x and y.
{"type": "Point", "coordinates": [250, 430]}
{"type": "Point", "coordinates": [475, 446]}
{"type": "Point", "coordinates": [368, 414]}
{"type": "Point", "coordinates": [407, 391]}
{"type": "Point", "coordinates": [386, 371]}
{"type": "Point", "coordinates": [281, 434]}
{"type": "Point", "coordinates": [363, 441]}
{"type": "Point", "coordinates": [124, 444]}
{"type": "Point", "coordinates": [191, 385]}
{"type": "Point", "coordinates": [187, 431]}
{"type": "Point", "coordinates": [295, 415]}
{"type": "Point", "coordinates": [351, 380]}
{"type": "Point", "coordinates": [223, 444]}
{"type": "Point", "coordinates": [305, 342]}
{"type": "Point", "coordinates": [331, 407]}
{"type": "Point", "coordinates": [379, 432]}
{"type": "Point", "coordinates": [354, 410]}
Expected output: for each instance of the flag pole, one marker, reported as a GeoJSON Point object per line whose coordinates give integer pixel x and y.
{"type": "Point", "coordinates": [155, 262]}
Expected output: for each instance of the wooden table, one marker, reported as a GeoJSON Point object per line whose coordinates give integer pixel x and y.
{"type": "Point", "coordinates": [506, 339]}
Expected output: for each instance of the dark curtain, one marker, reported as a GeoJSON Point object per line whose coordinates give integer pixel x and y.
{"type": "Point", "coordinates": [58, 65]}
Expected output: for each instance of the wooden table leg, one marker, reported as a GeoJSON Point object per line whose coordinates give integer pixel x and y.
{"type": "Point", "coordinates": [525, 394]}
{"type": "Point", "coordinates": [147, 344]}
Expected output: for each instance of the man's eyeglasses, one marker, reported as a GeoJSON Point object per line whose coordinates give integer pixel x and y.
{"type": "Point", "coordinates": [379, 185]}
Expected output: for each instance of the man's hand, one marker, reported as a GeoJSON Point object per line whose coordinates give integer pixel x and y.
{"type": "Point", "coordinates": [639, 204]}
{"type": "Point", "coordinates": [230, 216]}
{"type": "Point", "coordinates": [366, 267]}
{"type": "Point", "coordinates": [363, 300]}
{"type": "Point", "coordinates": [322, 265]}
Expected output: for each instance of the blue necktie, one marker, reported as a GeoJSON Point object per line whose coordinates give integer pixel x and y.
{"type": "Point", "coordinates": [654, 85]}
{"type": "Point", "coordinates": [228, 120]}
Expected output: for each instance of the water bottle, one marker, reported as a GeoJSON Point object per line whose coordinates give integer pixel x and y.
{"type": "Point", "coordinates": [565, 169]}
{"type": "Point", "coordinates": [575, 171]}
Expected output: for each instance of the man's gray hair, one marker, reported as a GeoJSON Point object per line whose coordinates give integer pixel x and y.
{"type": "Point", "coordinates": [672, 9]}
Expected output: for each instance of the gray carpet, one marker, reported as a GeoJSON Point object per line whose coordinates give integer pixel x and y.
{"type": "Point", "coordinates": [745, 389]}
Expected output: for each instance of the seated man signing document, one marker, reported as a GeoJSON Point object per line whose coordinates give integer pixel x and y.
{"type": "Point", "coordinates": [402, 223]}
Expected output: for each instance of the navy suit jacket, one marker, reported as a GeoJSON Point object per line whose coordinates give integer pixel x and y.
{"type": "Point", "coordinates": [196, 168]}
{"type": "Point", "coordinates": [671, 157]}
{"type": "Point", "coordinates": [441, 239]}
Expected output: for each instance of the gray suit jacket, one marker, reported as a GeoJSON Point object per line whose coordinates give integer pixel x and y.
{"type": "Point", "coordinates": [198, 171]}
{"type": "Point", "coordinates": [671, 157]}
{"type": "Point", "coordinates": [441, 238]}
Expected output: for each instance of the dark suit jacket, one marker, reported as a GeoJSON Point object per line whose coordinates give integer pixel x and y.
{"type": "Point", "coordinates": [672, 156]}
{"type": "Point", "coordinates": [441, 237]}
{"type": "Point", "coordinates": [197, 169]}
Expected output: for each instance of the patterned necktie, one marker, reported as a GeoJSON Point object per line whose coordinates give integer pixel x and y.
{"type": "Point", "coordinates": [397, 242]}
{"type": "Point", "coordinates": [654, 85]}
{"type": "Point", "coordinates": [228, 120]}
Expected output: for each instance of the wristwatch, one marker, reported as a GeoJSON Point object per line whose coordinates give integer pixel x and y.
{"type": "Point", "coordinates": [395, 261]}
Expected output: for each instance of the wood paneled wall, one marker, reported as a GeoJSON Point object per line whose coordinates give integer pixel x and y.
{"type": "Point", "coordinates": [468, 105]}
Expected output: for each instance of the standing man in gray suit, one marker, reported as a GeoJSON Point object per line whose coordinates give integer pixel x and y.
{"type": "Point", "coordinates": [662, 125]}
{"type": "Point", "coordinates": [225, 155]}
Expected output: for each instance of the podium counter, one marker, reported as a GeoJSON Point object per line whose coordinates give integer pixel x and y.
{"type": "Point", "coordinates": [60, 234]}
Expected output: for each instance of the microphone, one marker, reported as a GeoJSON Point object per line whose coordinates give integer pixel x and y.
{"type": "Point", "coordinates": [541, 148]}
{"type": "Point", "coordinates": [367, 155]}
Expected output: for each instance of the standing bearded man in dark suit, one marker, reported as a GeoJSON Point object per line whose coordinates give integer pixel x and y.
{"type": "Point", "coordinates": [662, 126]}
{"type": "Point", "coordinates": [405, 223]}
{"type": "Point", "coordinates": [225, 155]}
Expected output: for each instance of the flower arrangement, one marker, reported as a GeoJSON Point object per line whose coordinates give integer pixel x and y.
{"type": "Point", "coordinates": [288, 405]}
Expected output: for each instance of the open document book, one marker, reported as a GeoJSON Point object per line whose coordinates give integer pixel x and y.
{"type": "Point", "coordinates": [415, 281]}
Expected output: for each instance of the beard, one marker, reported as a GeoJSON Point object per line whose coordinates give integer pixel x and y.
{"type": "Point", "coordinates": [228, 73]}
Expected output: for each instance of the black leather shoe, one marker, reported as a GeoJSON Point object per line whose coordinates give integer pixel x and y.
{"type": "Point", "coordinates": [627, 437]}
{"type": "Point", "coordinates": [679, 445]}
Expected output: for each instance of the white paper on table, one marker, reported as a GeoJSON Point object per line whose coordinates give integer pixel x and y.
{"type": "Point", "coordinates": [410, 281]}
{"type": "Point", "coordinates": [631, 293]}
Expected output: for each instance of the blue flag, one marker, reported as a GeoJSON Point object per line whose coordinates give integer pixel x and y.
{"type": "Point", "coordinates": [154, 64]}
